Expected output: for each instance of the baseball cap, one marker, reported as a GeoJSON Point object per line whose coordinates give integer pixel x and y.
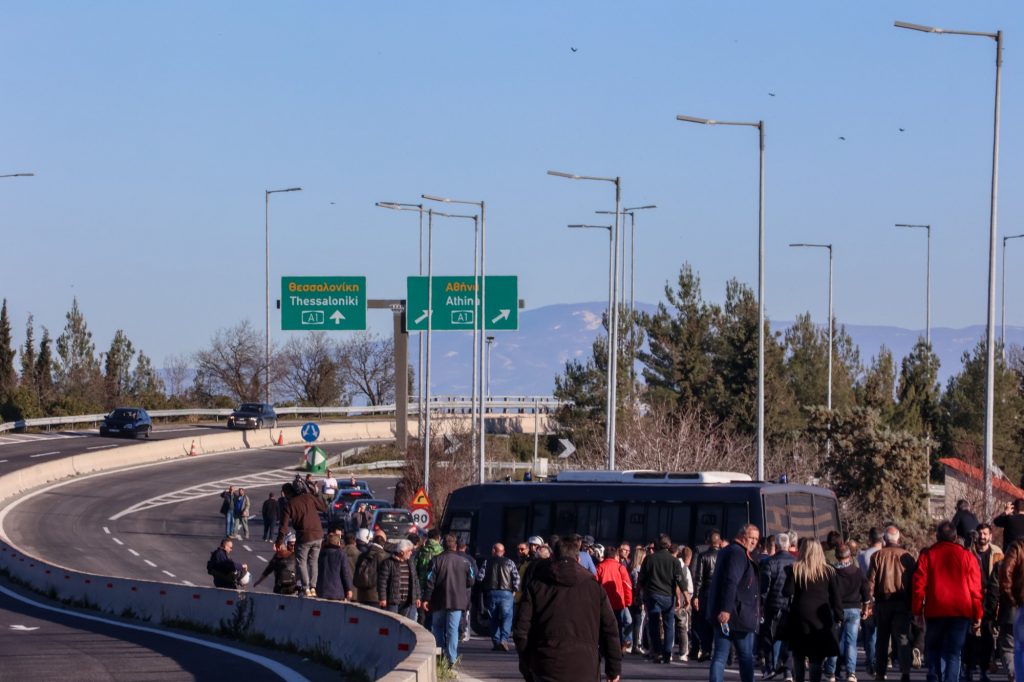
{"type": "Point", "coordinates": [588, 539]}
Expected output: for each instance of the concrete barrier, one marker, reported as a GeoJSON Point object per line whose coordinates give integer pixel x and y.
{"type": "Point", "coordinates": [383, 645]}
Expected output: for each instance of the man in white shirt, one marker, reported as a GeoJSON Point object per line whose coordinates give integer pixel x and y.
{"type": "Point", "coordinates": [328, 487]}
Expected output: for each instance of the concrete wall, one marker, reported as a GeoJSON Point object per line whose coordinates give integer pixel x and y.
{"type": "Point", "coordinates": [386, 646]}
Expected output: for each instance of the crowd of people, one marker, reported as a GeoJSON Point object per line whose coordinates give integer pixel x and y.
{"type": "Point", "coordinates": [791, 606]}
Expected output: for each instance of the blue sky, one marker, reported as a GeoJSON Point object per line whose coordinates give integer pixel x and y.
{"type": "Point", "coordinates": [155, 127]}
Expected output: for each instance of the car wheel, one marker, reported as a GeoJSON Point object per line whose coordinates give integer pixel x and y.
{"type": "Point", "coordinates": [149, 431]}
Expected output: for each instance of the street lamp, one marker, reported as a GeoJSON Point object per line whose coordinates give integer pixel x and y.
{"type": "Point", "coordinates": [990, 331]}
{"type": "Point", "coordinates": [1002, 323]}
{"type": "Point", "coordinates": [760, 276]}
{"type": "Point", "coordinates": [927, 284]}
{"type": "Point", "coordinates": [829, 247]}
{"type": "Point", "coordinates": [18, 175]}
{"type": "Point", "coordinates": [398, 206]}
{"type": "Point", "coordinates": [631, 212]}
{"type": "Point", "coordinates": [482, 313]}
{"type": "Point", "coordinates": [490, 347]}
{"type": "Point", "coordinates": [266, 231]}
{"type": "Point", "coordinates": [613, 317]}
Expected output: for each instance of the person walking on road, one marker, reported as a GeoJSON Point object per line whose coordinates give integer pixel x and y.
{"type": "Point", "coordinates": [271, 513]}
{"type": "Point", "coordinates": [284, 566]}
{"type": "Point", "coordinates": [334, 580]}
{"type": "Point", "coordinates": [303, 514]}
{"type": "Point", "coordinates": [734, 604]}
{"type": "Point", "coordinates": [618, 585]}
{"type": "Point", "coordinates": [660, 577]}
{"type": "Point", "coordinates": [815, 609]}
{"type": "Point", "coordinates": [565, 623]}
{"type": "Point", "coordinates": [242, 508]}
{"type": "Point", "coordinates": [367, 570]}
{"type": "Point", "coordinates": [227, 508]}
{"type": "Point", "coordinates": [499, 579]}
{"type": "Point", "coordinates": [398, 590]}
{"type": "Point", "coordinates": [889, 583]}
{"type": "Point", "coordinates": [1011, 590]}
{"type": "Point", "coordinates": [776, 607]}
{"type": "Point", "coordinates": [947, 598]}
{"type": "Point", "coordinates": [854, 598]}
{"type": "Point", "coordinates": [703, 574]}
{"type": "Point", "coordinates": [964, 520]}
{"type": "Point", "coordinates": [447, 596]}
{"type": "Point", "coordinates": [981, 643]}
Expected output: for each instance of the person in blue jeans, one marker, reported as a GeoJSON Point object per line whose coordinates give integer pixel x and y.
{"type": "Point", "coordinates": [447, 596]}
{"type": "Point", "coordinates": [734, 605]}
{"type": "Point", "coordinates": [499, 579]}
{"type": "Point", "coordinates": [227, 508]}
{"type": "Point", "coordinates": [854, 597]}
{"type": "Point", "coordinates": [660, 575]}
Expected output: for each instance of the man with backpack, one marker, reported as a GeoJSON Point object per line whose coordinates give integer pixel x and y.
{"type": "Point", "coordinates": [367, 566]}
{"type": "Point", "coordinates": [242, 508]}
{"type": "Point", "coordinates": [303, 514]}
{"type": "Point", "coordinates": [226, 571]}
{"type": "Point", "coordinates": [284, 566]}
{"type": "Point", "coordinates": [424, 555]}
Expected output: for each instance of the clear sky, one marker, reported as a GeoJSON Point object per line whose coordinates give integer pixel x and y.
{"type": "Point", "coordinates": [154, 129]}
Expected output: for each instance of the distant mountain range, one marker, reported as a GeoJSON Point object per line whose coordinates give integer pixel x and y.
{"type": "Point", "coordinates": [526, 362]}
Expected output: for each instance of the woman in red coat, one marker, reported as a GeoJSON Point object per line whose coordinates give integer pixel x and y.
{"type": "Point", "coordinates": [615, 579]}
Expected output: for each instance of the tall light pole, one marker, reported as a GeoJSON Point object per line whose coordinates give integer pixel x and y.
{"type": "Point", "coordinates": [480, 320]}
{"type": "Point", "coordinates": [829, 247]}
{"type": "Point", "coordinates": [611, 257]}
{"type": "Point", "coordinates": [990, 332]}
{"type": "Point", "coordinates": [490, 347]}
{"type": "Point", "coordinates": [631, 212]}
{"type": "Point", "coordinates": [760, 275]}
{"type": "Point", "coordinates": [613, 318]}
{"type": "Point", "coordinates": [266, 231]}
{"type": "Point", "coordinates": [18, 175]}
{"type": "Point", "coordinates": [927, 284]}
{"type": "Point", "coordinates": [1002, 322]}
{"type": "Point", "coordinates": [398, 206]}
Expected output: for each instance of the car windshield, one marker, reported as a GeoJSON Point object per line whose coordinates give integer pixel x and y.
{"type": "Point", "coordinates": [394, 517]}
{"type": "Point", "coordinates": [249, 407]}
{"type": "Point", "coordinates": [124, 414]}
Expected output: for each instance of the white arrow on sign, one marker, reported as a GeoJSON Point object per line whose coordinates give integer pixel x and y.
{"type": "Point", "coordinates": [502, 315]}
{"type": "Point", "coordinates": [337, 317]}
{"type": "Point", "coordinates": [23, 628]}
{"type": "Point", "coordinates": [425, 315]}
{"type": "Point", "coordinates": [567, 448]}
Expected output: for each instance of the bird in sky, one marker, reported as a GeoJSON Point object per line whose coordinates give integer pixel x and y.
{"type": "Point", "coordinates": [573, 49]}
{"type": "Point", "coordinates": [902, 129]}
{"type": "Point", "coordinates": [771, 94]}
{"type": "Point", "coordinates": [842, 138]}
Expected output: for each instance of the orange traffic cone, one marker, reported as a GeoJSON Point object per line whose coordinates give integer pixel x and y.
{"type": "Point", "coordinates": [192, 450]}
{"type": "Point", "coordinates": [280, 438]}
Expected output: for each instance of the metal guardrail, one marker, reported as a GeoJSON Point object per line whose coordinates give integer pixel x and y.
{"type": "Point", "coordinates": [454, 403]}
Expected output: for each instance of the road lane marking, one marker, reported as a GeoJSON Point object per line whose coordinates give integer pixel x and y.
{"type": "Point", "coordinates": [44, 454]}
{"type": "Point", "coordinates": [106, 530]}
{"type": "Point", "coordinates": [247, 548]}
{"type": "Point", "coordinates": [100, 447]}
{"type": "Point", "coordinates": [150, 563]}
{"type": "Point", "coordinates": [117, 541]}
{"type": "Point", "coordinates": [277, 668]}
{"type": "Point", "coordinates": [262, 559]}
{"type": "Point", "coordinates": [168, 574]}
{"type": "Point", "coordinates": [132, 552]}
{"type": "Point", "coordinates": [188, 583]}
{"type": "Point", "coordinates": [2, 461]}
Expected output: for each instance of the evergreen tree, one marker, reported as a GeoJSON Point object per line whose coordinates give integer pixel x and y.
{"type": "Point", "coordinates": [117, 370]}
{"type": "Point", "coordinates": [28, 352]}
{"type": "Point", "coordinates": [79, 379]}
{"type": "Point", "coordinates": [918, 396]}
{"type": "Point", "coordinates": [878, 390]}
{"type": "Point", "coordinates": [25, 397]}
{"type": "Point", "coordinates": [8, 377]}
{"type": "Point", "coordinates": [806, 362]}
{"type": "Point", "coordinates": [145, 387]}
{"type": "Point", "coordinates": [45, 389]}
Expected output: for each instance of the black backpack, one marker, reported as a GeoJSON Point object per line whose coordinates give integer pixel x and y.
{"type": "Point", "coordinates": [285, 575]}
{"type": "Point", "coordinates": [366, 571]}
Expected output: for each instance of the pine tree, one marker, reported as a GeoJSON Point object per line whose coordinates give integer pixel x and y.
{"type": "Point", "coordinates": [807, 362]}
{"type": "Point", "coordinates": [77, 370]}
{"type": "Point", "coordinates": [117, 370]}
{"type": "Point", "coordinates": [145, 387]}
{"type": "Point", "coordinates": [878, 390]}
{"type": "Point", "coordinates": [918, 396]}
{"type": "Point", "coordinates": [8, 377]}
{"type": "Point", "coordinates": [28, 352]}
{"type": "Point", "coordinates": [44, 371]}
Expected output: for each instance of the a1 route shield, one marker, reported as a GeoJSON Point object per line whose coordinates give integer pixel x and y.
{"type": "Point", "coordinates": [323, 303]}
{"type": "Point", "coordinates": [456, 302]}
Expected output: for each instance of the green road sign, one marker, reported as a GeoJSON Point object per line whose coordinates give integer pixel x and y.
{"type": "Point", "coordinates": [323, 303]}
{"type": "Point", "coordinates": [456, 303]}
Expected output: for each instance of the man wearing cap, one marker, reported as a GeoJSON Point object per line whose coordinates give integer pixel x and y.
{"type": "Point", "coordinates": [584, 557]}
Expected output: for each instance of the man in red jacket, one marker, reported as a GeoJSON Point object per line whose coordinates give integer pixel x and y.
{"type": "Point", "coordinates": [618, 585]}
{"type": "Point", "coordinates": [947, 595]}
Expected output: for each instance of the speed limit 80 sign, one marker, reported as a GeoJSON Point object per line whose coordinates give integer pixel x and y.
{"type": "Point", "coordinates": [421, 517]}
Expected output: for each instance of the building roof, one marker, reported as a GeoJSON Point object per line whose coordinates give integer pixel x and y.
{"type": "Point", "coordinates": [998, 482]}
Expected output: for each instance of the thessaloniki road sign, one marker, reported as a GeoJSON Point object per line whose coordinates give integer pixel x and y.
{"type": "Point", "coordinates": [323, 303]}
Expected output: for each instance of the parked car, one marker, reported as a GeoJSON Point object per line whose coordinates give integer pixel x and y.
{"type": "Point", "coordinates": [127, 421]}
{"type": "Point", "coordinates": [253, 416]}
{"type": "Point", "coordinates": [394, 523]}
{"type": "Point", "coordinates": [359, 505]}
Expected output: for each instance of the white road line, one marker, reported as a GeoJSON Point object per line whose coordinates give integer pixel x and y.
{"type": "Point", "coordinates": [106, 530]}
{"type": "Point", "coordinates": [149, 563]}
{"type": "Point", "coordinates": [117, 541]}
{"type": "Point", "coordinates": [262, 559]}
{"type": "Point", "coordinates": [100, 447]}
{"type": "Point", "coordinates": [132, 552]}
{"type": "Point", "coordinates": [275, 667]}
{"type": "Point", "coordinates": [168, 574]}
{"type": "Point", "coordinates": [2, 461]}
{"type": "Point", "coordinates": [44, 454]}
{"type": "Point", "coordinates": [184, 581]}
{"type": "Point", "coordinates": [247, 548]}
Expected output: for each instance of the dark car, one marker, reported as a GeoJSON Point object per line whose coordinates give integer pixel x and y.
{"type": "Point", "coordinates": [127, 421]}
{"type": "Point", "coordinates": [253, 416]}
{"type": "Point", "coordinates": [343, 500]}
{"type": "Point", "coordinates": [394, 523]}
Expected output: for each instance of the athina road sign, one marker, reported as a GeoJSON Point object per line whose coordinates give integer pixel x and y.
{"type": "Point", "coordinates": [456, 303]}
{"type": "Point", "coordinates": [323, 303]}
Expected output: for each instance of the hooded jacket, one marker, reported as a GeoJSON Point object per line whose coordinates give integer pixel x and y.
{"type": "Point", "coordinates": [563, 623]}
{"type": "Point", "coordinates": [617, 584]}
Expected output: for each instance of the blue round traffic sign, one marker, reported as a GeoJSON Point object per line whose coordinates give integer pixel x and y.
{"type": "Point", "coordinates": [310, 432]}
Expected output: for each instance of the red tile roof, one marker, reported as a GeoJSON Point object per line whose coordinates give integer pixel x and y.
{"type": "Point", "coordinates": [998, 482]}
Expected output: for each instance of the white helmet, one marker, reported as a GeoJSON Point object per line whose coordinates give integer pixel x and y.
{"type": "Point", "coordinates": [363, 535]}
{"type": "Point", "coordinates": [243, 580]}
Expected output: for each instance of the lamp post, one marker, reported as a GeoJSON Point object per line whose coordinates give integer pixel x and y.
{"type": "Point", "coordinates": [990, 331]}
{"type": "Point", "coordinates": [611, 254]}
{"type": "Point", "coordinates": [631, 212]}
{"type": "Point", "coordinates": [398, 206]}
{"type": "Point", "coordinates": [482, 449]}
{"type": "Point", "coordinates": [760, 275]}
{"type": "Point", "coordinates": [18, 175]}
{"type": "Point", "coordinates": [829, 247]}
{"type": "Point", "coordinates": [927, 284]}
{"type": "Point", "coordinates": [266, 231]}
{"type": "Point", "coordinates": [490, 347]}
{"type": "Point", "coordinates": [1002, 322]}
{"type": "Point", "coordinates": [613, 317]}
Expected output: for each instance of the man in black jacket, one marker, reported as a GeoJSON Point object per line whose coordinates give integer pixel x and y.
{"type": "Point", "coordinates": [564, 622]}
{"type": "Point", "coordinates": [271, 511]}
{"type": "Point", "coordinates": [776, 606]}
{"type": "Point", "coordinates": [398, 588]}
{"type": "Point", "coordinates": [447, 595]}
{"type": "Point", "coordinates": [660, 575]}
{"type": "Point", "coordinates": [735, 604]}
{"type": "Point", "coordinates": [226, 571]}
{"type": "Point", "coordinates": [703, 573]}
{"type": "Point", "coordinates": [499, 579]}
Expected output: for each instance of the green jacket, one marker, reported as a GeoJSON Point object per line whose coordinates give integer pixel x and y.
{"type": "Point", "coordinates": [424, 556]}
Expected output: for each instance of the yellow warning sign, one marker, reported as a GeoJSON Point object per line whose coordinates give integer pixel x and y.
{"type": "Point", "coordinates": [420, 500]}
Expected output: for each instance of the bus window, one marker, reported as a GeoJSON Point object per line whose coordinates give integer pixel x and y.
{"type": "Point", "coordinates": [565, 518]}
{"type": "Point", "coordinates": [736, 515]}
{"type": "Point", "coordinates": [801, 515]}
{"type": "Point", "coordinates": [514, 529]}
{"type": "Point", "coordinates": [679, 530]}
{"type": "Point", "coordinates": [826, 515]}
{"type": "Point", "coordinates": [709, 517]}
{"type": "Point", "coordinates": [633, 530]}
{"type": "Point", "coordinates": [541, 520]}
{"type": "Point", "coordinates": [657, 521]}
{"type": "Point", "coordinates": [776, 514]}
{"type": "Point", "coordinates": [462, 527]}
{"type": "Point", "coordinates": [608, 525]}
